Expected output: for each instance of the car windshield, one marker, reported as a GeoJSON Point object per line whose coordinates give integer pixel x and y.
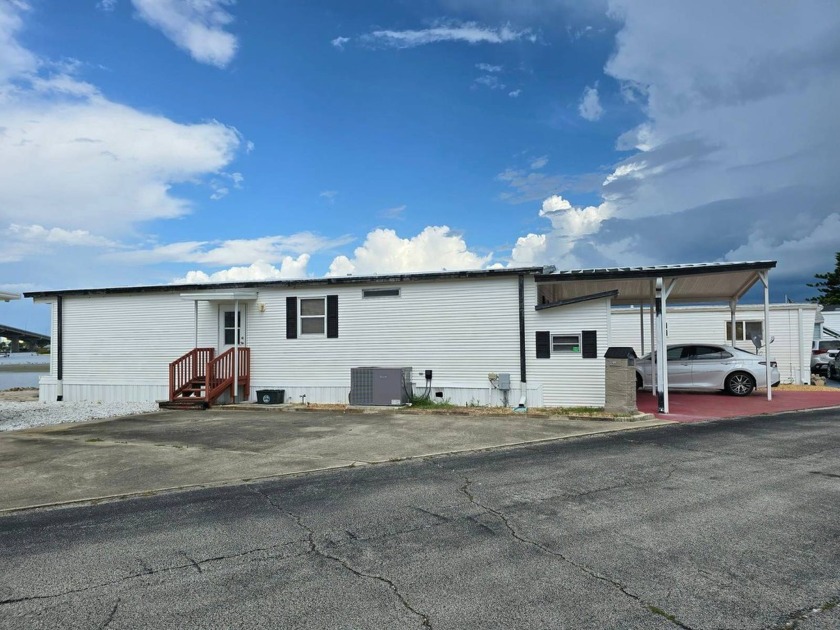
{"type": "Point", "coordinates": [830, 345]}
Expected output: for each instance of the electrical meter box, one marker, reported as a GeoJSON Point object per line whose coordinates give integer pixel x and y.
{"type": "Point", "coordinates": [504, 381]}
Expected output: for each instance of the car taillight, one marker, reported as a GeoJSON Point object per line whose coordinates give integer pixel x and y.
{"type": "Point", "coordinates": [819, 351]}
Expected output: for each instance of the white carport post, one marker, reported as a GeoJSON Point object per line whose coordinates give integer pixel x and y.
{"type": "Point", "coordinates": [765, 280]}
{"type": "Point", "coordinates": [195, 319]}
{"type": "Point", "coordinates": [642, 325]}
{"type": "Point", "coordinates": [653, 378]}
{"type": "Point", "coordinates": [663, 290]}
{"type": "Point", "coordinates": [235, 351]}
{"type": "Point", "coordinates": [733, 324]}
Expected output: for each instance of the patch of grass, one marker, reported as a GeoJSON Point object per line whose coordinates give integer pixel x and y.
{"type": "Point", "coordinates": [662, 613]}
{"type": "Point", "coordinates": [420, 402]}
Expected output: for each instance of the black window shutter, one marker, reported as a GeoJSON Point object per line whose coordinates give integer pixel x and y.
{"type": "Point", "coordinates": [589, 344]}
{"type": "Point", "coordinates": [332, 316]}
{"type": "Point", "coordinates": [291, 318]}
{"type": "Point", "coordinates": [543, 344]}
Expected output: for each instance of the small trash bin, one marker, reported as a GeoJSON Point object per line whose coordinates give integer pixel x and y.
{"type": "Point", "coordinates": [271, 396]}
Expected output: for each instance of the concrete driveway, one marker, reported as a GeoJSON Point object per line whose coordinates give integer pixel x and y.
{"type": "Point", "coordinates": [178, 449]}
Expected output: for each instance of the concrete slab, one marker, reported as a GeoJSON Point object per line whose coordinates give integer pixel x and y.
{"type": "Point", "coordinates": [177, 449]}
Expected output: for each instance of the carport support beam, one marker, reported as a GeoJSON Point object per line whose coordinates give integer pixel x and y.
{"type": "Point", "coordinates": [642, 326]}
{"type": "Point", "coordinates": [765, 280]}
{"type": "Point", "coordinates": [653, 378]}
{"type": "Point", "coordinates": [663, 290]}
{"type": "Point", "coordinates": [733, 322]}
{"type": "Point", "coordinates": [236, 352]}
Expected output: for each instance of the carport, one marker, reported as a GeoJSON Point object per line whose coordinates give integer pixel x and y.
{"type": "Point", "coordinates": [658, 286]}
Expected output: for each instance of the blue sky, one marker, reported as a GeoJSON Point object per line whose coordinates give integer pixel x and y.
{"type": "Point", "coordinates": [158, 141]}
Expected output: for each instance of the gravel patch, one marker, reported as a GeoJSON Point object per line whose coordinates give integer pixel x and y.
{"type": "Point", "coordinates": [15, 416]}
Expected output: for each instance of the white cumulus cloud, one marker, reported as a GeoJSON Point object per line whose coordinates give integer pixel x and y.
{"type": "Point", "coordinates": [196, 26]}
{"type": "Point", "coordinates": [434, 249]}
{"type": "Point", "coordinates": [270, 249]}
{"type": "Point", "coordinates": [290, 268]}
{"type": "Point", "coordinates": [590, 104]}
{"type": "Point", "coordinates": [75, 160]}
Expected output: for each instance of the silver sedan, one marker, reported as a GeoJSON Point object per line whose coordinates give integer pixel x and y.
{"type": "Point", "coordinates": [710, 367]}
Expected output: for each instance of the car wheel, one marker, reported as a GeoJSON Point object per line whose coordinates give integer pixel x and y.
{"type": "Point", "coordinates": [740, 384]}
{"type": "Point", "coordinates": [638, 381]}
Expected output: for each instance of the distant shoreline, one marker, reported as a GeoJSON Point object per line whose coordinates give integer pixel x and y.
{"type": "Point", "coordinates": [24, 367]}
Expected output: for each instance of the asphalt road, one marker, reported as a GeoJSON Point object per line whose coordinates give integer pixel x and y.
{"type": "Point", "coordinates": [730, 524]}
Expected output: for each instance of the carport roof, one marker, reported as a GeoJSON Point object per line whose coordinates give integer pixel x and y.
{"type": "Point", "coordinates": [699, 282]}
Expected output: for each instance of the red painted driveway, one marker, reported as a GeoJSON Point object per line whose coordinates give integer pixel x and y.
{"type": "Point", "coordinates": [691, 407]}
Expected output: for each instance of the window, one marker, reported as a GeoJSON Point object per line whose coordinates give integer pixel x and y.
{"type": "Point", "coordinates": [565, 343]}
{"type": "Point", "coordinates": [230, 327]}
{"type": "Point", "coordinates": [379, 293]}
{"type": "Point", "coordinates": [710, 353]}
{"type": "Point", "coordinates": [313, 316]}
{"type": "Point", "coordinates": [752, 328]}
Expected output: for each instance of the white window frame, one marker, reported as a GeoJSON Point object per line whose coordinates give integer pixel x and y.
{"type": "Point", "coordinates": [301, 316]}
{"type": "Point", "coordinates": [381, 297]}
{"type": "Point", "coordinates": [565, 347]}
{"type": "Point", "coordinates": [740, 329]}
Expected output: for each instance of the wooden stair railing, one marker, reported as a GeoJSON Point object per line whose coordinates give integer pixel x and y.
{"type": "Point", "coordinates": [220, 371]}
{"type": "Point", "coordinates": [188, 372]}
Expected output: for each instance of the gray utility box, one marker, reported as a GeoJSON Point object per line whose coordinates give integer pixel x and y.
{"type": "Point", "coordinates": [620, 380]}
{"type": "Point", "coordinates": [380, 386]}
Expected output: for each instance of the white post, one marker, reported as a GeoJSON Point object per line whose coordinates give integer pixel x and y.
{"type": "Point", "coordinates": [236, 351]}
{"type": "Point", "coordinates": [653, 345]}
{"type": "Point", "coordinates": [733, 325]}
{"type": "Point", "coordinates": [642, 326]}
{"type": "Point", "coordinates": [195, 310]}
{"type": "Point", "coordinates": [663, 290]}
{"type": "Point", "coordinates": [765, 279]}
{"type": "Point", "coordinates": [803, 375]}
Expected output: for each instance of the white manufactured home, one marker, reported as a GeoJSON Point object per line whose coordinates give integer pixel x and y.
{"type": "Point", "coordinates": [530, 336]}
{"type": "Point", "coordinates": [305, 336]}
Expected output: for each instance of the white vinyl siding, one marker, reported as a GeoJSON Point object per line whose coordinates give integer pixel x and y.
{"type": "Point", "coordinates": [128, 341]}
{"type": "Point", "coordinates": [119, 346]}
{"type": "Point", "coordinates": [567, 379]}
{"type": "Point", "coordinates": [460, 329]}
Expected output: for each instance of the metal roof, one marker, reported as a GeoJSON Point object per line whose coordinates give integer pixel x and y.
{"type": "Point", "coordinates": [256, 284]}
{"type": "Point", "coordinates": [692, 283]}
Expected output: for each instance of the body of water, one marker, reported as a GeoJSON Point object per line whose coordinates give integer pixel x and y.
{"type": "Point", "coordinates": [8, 380]}
{"type": "Point", "coordinates": [22, 369]}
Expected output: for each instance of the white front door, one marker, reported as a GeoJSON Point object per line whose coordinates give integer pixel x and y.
{"type": "Point", "coordinates": [228, 327]}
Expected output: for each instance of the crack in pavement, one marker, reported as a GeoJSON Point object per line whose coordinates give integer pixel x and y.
{"type": "Point", "coordinates": [823, 474]}
{"type": "Point", "coordinates": [465, 490]}
{"type": "Point", "coordinates": [111, 615]}
{"type": "Point", "coordinates": [794, 618]}
{"type": "Point", "coordinates": [148, 571]}
{"type": "Point", "coordinates": [192, 560]}
{"type": "Point", "coordinates": [313, 548]}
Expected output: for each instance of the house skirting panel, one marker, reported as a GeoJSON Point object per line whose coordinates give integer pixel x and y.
{"type": "Point", "coordinates": [103, 392]}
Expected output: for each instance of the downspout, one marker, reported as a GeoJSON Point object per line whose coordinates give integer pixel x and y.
{"type": "Point", "coordinates": [60, 355]}
{"type": "Point", "coordinates": [523, 377]}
